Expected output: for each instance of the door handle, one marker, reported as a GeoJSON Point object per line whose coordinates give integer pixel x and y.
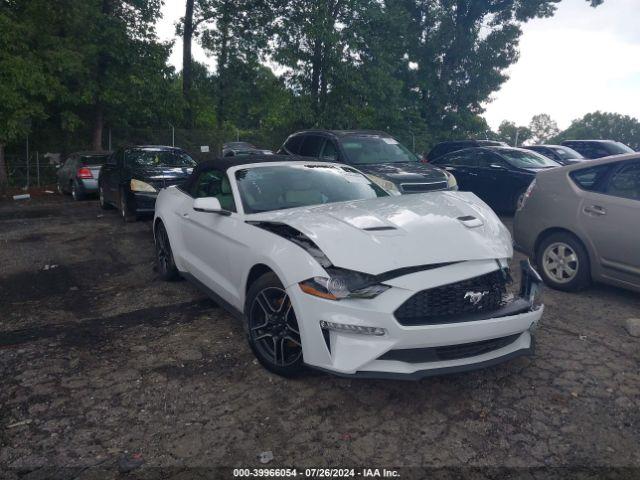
{"type": "Point", "coordinates": [472, 174]}
{"type": "Point", "coordinates": [595, 210]}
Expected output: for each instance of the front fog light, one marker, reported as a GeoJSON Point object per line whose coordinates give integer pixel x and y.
{"type": "Point", "coordinates": [348, 328]}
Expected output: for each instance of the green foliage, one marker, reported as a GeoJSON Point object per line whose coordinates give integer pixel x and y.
{"type": "Point", "coordinates": [604, 126]}
{"type": "Point", "coordinates": [513, 134]}
{"type": "Point", "coordinates": [542, 128]}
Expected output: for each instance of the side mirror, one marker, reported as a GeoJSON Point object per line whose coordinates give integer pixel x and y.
{"type": "Point", "coordinates": [209, 205]}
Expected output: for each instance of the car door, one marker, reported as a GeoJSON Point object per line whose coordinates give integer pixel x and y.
{"type": "Point", "coordinates": [109, 178]}
{"type": "Point", "coordinates": [208, 238]}
{"type": "Point", "coordinates": [611, 219]}
{"type": "Point", "coordinates": [490, 177]}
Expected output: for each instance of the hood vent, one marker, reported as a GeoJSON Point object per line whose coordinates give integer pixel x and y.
{"type": "Point", "coordinates": [470, 221]}
{"type": "Point", "coordinates": [379, 229]}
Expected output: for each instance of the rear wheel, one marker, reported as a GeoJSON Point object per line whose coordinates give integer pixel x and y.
{"type": "Point", "coordinates": [273, 333]}
{"type": "Point", "coordinates": [125, 209]}
{"type": "Point", "coordinates": [76, 191]}
{"type": "Point", "coordinates": [165, 264]}
{"type": "Point", "coordinates": [103, 202]}
{"type": "Point", "coordinates": [563, 262]}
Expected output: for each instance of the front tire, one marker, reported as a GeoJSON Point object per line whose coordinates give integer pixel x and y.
{"type": "Point", "coordinates": [165, 264]}
{"type": "Point", "coordinates": [272, 327]}
{"type": "Point", "coordinates": [125, 209]}
{"type": "Point", "coordinates": [563, 262]}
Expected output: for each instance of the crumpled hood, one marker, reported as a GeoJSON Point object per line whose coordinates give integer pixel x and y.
{"type": "Point", "coordinates": [383, 234]}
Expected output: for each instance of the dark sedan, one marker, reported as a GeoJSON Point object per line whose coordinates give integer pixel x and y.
{"type": "Point", "coordinates": [561, 154]}
{"type": "Point", "coordinates": [498, 175]}
{"type": "Point", "coordinates": [385, 160]}
{"type": "Point", "coordinates": [132, 177]}
{"type": "Point", "coordinates": [443, 148]}
{"type": "Point", "coordinates": [236, 149]}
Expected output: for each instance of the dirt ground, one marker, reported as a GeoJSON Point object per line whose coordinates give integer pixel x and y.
{"type": "Point", "coordinates": [102, 363]}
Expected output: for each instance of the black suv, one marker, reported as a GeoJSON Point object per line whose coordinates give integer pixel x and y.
{"type": "Point", "coordinates": [385, 160]}
{"type": "Point", "coordinates": [443, 148]}
{"type": "Point", "coordinates": [597, 148]}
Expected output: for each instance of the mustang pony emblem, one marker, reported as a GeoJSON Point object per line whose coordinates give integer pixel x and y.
{"type": "Point", "coordinates": [475, 297]}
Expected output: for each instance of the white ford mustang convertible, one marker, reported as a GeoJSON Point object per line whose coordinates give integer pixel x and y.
{"type": "Point", "coordinates": [326, 269]}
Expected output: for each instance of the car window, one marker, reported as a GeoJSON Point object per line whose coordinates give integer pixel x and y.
{"type": "Point", "coordinates": [292, 145]}
{"type": "Point", "coordinates": [93, 159]}
{"type": "Point", "coordinates": [312, 146]}
{"type": "Point", "coordinates": [375, 150]}
{"type": "Point", "coordinates": [330, 152]}
{"type": "Point", "coordinates": [267, 188]}
{"type": "Point", "coordinates": [625, 182]}
{"type": "Point", "coordinates": [214, 183]}
{"type": "Point", "coordinates": [590, 178]}
{"type": "Point", "coordinates": [152, 157]}
{"type": "Point", "coordinates": [486, 159]}
{"type": "Point", "coordinates": [565, 153]}
{"type": "Point", "coordinates": [526, 159]}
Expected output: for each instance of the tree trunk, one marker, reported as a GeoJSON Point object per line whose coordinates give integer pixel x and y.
{"type": "Point", "coordinates": [98, 124]}
{"type": "Point", "coordinates": [4, 180]}
{"type": "Point", "coordinates": [223, 60]}
{"type": "Point", "coordinates": [187, 73]}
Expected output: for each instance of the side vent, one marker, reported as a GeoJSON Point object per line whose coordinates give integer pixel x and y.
{"type": "Point", "coordinates": [379, 229]}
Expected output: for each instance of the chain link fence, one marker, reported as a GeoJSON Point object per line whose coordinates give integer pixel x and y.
{"type": "Point", "coordinates": [36, 170]}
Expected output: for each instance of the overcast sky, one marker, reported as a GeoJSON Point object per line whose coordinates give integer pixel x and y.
{"type": "Point", "coordinates": [581, 60]}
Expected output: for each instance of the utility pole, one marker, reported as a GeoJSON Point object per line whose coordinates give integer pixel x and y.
{"type": "Point", "coordinates": [517, 132]}
{"type": "Point", "coordinates": [173, 135]}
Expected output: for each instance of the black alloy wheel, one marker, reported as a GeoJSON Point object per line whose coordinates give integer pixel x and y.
{"type": "Point", "coordinates": [165, 264]}
{"type": "Point", "coordinates": [273, 331]}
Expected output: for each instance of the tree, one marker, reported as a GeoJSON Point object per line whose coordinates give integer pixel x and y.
{"type": "Point", "coordinates": [604, 126]}
{"type": "Point", "coordinates": [512, 134]}
{"type": "Point", "coordinates": [542, 128]}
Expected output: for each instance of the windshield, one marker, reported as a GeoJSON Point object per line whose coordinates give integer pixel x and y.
{"type": "Point", "coordinates": [619, 147]}
{"type": "Point", "coordinates": [267, 188]}
{"type": "Point", "coordinates": [566, 153]}
{"type": "Point", "coordinates": [526, 159]}
{"type": "Point", "coordinates": [368, 150]}
{"type": "Point", "coordinates": [160, 158]}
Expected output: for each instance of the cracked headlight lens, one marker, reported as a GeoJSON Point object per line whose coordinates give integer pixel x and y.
{"type": "Point", "coordinates": [342, 284]}
{"type": "Point", "coordinates": [390, 187]}
{"type": "Point", "coordinates": [140, 186]}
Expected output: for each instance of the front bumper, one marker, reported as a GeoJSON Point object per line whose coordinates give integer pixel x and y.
{"type": "Point", "coordinates": [144, 202]}
{"type": "Point", "coordinates": [411, 352]}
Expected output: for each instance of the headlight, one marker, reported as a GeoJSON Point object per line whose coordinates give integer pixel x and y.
{"type": "Point", "coordinates": [390, 187]}
{"type": "Point", "coordinates": [140, 186]}
{"type": "Point", "coordinates": [452, 183]}
{"type": "Point", "coordinates": [343, 284]}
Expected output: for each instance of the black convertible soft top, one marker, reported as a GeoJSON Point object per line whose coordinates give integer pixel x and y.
{"type": "Point", "coordinates": [224, 163]}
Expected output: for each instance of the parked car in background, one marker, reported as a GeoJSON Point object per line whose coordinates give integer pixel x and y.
{"type": "Point", "coordinates": [385, 160]}
{"type": "Point", "coordinates": [561, 154]}
{"type": "Point", "coordinates": [233, 149]}
{"type": "Point", "coordinates": [582, 223]}
{"type": "Point", "coordinates": [498, 175]}
{"type": "Point", "coordinates": [78, 174]}
{"type": "Point", "coordinates": [327, 269]}
{"type": "Point", "coordinates": [597, 148]}
{"type": "Point", "coordinates": [132, 177]}
{"type": "Point", "coordinates": [443, 148]}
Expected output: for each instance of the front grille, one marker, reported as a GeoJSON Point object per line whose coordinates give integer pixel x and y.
{"type": "Point", "coordinates": [422, 187]}
{"type": "Point", "coordinates": [450, 303]}
{"type": "Point", "coordinates": [164, 183]}
{"type": "Point", "coordinates": [449, 352]}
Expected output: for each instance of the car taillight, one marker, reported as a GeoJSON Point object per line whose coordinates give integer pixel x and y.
{"type": "Point", "coordinates": [527, 194]}
{"type": "Point", "coordinates": [84, 172]}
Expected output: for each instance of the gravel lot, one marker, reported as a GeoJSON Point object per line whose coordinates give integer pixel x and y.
{"type": "Point", "coordinates": [100, 360]}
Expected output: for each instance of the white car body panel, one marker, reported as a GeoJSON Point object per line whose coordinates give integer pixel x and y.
{"type": "Point", "coordinates": [220, 251]}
